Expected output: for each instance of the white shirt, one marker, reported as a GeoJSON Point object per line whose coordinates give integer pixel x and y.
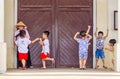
{"type": "Point", "coordinates": [23, 44]}
{"type": "Point", "coordinates": [45, 47]}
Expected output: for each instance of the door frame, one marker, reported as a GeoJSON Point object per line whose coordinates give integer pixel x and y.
{"type": "Point", "coordinates": [94, 26]}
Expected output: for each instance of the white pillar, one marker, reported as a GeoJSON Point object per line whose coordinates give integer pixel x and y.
{"type": "Point", "coordinates": [118, 44]}
{"type": "Point", "coordinates": [2, 44]}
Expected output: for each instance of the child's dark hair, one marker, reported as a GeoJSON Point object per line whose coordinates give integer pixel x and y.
{"type": "Point", "coordinates": [112, 41]}
{"type": "Point", "coordinates": [100, 32]}
{"type": "Point", "coordinates": [82, 33]}
{"type": "Point", "coordinates": [47, 33]}
{"type": "Point", "coordinates": [22, 33]}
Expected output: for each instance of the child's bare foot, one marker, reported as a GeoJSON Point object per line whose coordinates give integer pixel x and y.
{"type": "Point", "coordinates": [24, 68]}
{"type": "Point", "coordinates": [111, 69]}
{"type": "Point", "coordinates": [53, 60]}
{"type": "Point", "coordinates": [96, 67]}
{"type": "Point", "coordinates": [43, 67]}
{"type": "Point", "coordinates": [84, 68]}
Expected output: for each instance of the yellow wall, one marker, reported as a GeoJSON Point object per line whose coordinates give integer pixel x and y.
{"type": "Point", "coordinates": [9, 29]}
{"type": "Point", "coordinates": [104, 19]}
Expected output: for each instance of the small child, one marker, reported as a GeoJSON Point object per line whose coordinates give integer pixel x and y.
{"type": "Point", "coordinates": [45, 49]}
{"type": "Point", "coordinates": [83, 47]}
{"type": "Point", "coordinates": [21, 26]}
{"type": "Point", "coordinates": [110, 49]}
{"type": "Point", "coordinates": [22, 44]}
{"type": "Point", "coordinates": [99, 47]}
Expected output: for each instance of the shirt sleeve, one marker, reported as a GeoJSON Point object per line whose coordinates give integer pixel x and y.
{"type": "Point", "coordinates": [27, 34]}
{"type": "Point", "coordinates": [104, 38]}
{"type": "Point", "coordinates": [17, 32]}
{"type": "Point", "coordinates": [78, 40]}
{"type": "Point", "coordinates": [16, 42]}
{"type": "Point", "coordinates": [46, 42]}
{"type": "Point", "coordinates": [29, 41]}
{"type": "Point", "coordinates": [87, 39]}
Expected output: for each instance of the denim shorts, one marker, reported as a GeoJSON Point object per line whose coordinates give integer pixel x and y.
{"type": "Point", "coordinates": [100, 54]}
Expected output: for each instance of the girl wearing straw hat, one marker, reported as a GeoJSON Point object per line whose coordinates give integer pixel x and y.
{"type": "Point", "coordinates": [21, 26]}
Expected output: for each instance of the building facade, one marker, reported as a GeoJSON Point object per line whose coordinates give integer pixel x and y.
{"type": "Point", "coordinates": [98, 13]}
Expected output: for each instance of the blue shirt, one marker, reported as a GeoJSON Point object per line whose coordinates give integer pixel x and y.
{"type": "Point", "coordinates": [83, 44]}
{"type": "Point", "coordinates": [100, 43]}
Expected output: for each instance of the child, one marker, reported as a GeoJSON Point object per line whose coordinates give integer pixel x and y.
{"type": "Point", "coordinates": [100, 46]}
{"type": "Point", "coordinates": [83, 47]}
{"type": "Point", "coordinates": [22, 44]}
{"type": "Point", "coordinates": [45, 49]}
{"type": "Point", "coordinates": [110, 49]}
{"type": "Point", "coordinates": [21, 26]}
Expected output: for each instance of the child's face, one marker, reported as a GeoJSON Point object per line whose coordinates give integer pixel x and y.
{"type": "Point", "coordinates": [100, 35]}
{"type": "Point", "coordinates": [20, 27]}
{"type": "Point", "coordinates": [44, 36]}
{"type": "Point", "coordinates": [111, 44]}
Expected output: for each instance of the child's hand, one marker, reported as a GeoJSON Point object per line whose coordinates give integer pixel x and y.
{"type": "Point", "coordinates": [106, 48]}
{"type": "Point", "coordinates": [78, 33]}
{"type": "Point", "coordinates": [25, 27]}
{"type": "Point", "coordinates": [89, 26]}
{"type": "Point", "coordinates": [96, 28]}
{"type": "Point", "coordinates": [40, 39]}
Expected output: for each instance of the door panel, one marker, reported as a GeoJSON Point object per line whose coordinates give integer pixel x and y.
{"type": "Point", "coordinates": [73, 16]}
{"type": "Point", "coordinates": [69, 23]}
{"type": "Point", "coordinates": [37, 21]}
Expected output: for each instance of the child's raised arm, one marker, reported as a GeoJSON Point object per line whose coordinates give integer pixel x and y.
{"type": "Point", "coordinates": [107, 33]}
{"type": "Point", "coordinates": [41, 42]}
{"type": "Point", "coordinates": [75, 37]}
{"type": "Point", "coordinates": [37, 39]}
{"type": "Point", "coordinates": [89, 36]}
{"type": "Point", "coordinates": [88, 30]}
{"type": "Point", "coordinates": [96, 32]}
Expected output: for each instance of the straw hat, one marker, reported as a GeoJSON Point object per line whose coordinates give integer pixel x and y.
{"type": "Point", "coordinates": [20, 24]}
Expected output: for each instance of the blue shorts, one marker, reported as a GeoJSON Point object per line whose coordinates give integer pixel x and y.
{"type": "Point", "coordinates": [83, 55]}
{"type": "Point", "coordinates": [99, 54]}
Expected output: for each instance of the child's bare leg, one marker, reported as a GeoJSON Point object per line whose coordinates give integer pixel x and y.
{"type": "Point", "coordinates": [84, 63]}
{"type": "Point", "coordinates": [80, 63]}
{"type": "Point", "coordinates": [23, 63]}
{"type": "Point", "coordinates": [97, 63]}
{"type": "Point", "coordinates": [113, 63]}
{"type": "Point", "coordinates": [104, 64]}
{"type": "Point", "coordinates": [43, 63]}
{"type": "Point", "coordinates": [50, 59]}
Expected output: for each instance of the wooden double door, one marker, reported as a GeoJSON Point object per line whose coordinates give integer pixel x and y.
{"type": "Point", "coordinates": [63, 18]}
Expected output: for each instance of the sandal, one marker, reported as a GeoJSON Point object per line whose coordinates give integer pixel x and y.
{"type": "Point", "coordinates": [104, 67]}
{"type": "Point", "coordinates": [96, 67]}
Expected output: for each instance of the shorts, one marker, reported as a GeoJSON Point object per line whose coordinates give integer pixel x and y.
{"type": "Point", "coordinates": [22, 56]}
{"type": "Point", "coordinates": [44, 55]}
{"type": "Point", "coordinates": [99, 54]}
{"type": "Point", "coordinates": [83, 55]}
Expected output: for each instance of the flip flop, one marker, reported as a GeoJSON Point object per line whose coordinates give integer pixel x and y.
{"type": "Point", "coordinates": [105, 67]}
